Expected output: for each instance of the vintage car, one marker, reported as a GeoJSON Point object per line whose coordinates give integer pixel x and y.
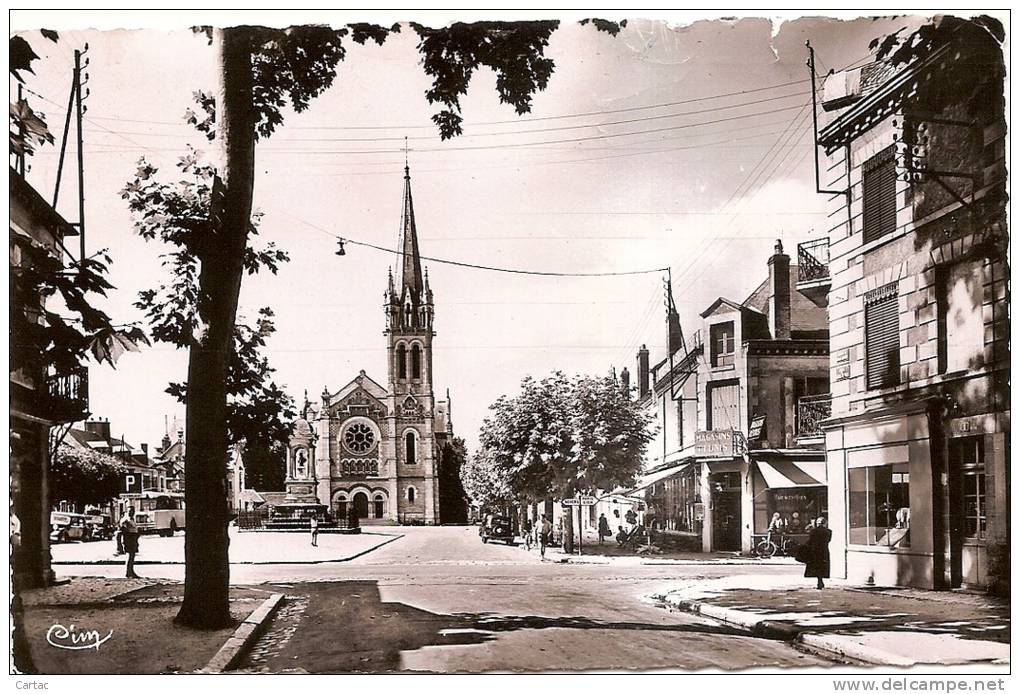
{"type": "Point", "coordinates": [99, 525]}
{"type": "Point", "coordinates": [68, 527]}
{"type": "Point", "coordinates": [498, 529]}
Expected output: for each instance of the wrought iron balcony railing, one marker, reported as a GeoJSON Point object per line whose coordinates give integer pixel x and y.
{"type": "Point", "coordinates": [67, 395]}
{"type": "Point", "coordinates": [813, 259]}
{"type": "Point", "coordinates": [811, 410]}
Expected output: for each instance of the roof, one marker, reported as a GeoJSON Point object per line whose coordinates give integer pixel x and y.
{"type": "Point", "coordinates": [804, 314]}
{"type": "Point", "coordinates": [362, 380]}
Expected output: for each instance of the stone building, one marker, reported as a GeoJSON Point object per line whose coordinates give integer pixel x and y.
{"type": "Point", "coordinates": [738, 409]}
{"type": "Point", "coordinates": [915, 277]}
{"type": "Point", "coordinates": [40, 398]}
{"type": "Point", "coordinates": [372, 447]}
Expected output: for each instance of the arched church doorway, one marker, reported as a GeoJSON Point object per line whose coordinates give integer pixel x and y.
{"type": "Point", "coordinates": [379, 504]}
{"type": "Point", "coordinates": [361, 504]}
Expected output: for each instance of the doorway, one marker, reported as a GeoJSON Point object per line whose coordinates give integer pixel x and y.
{"type": "Point", "coordinates": [725, 511]}
{"type": "Point", "coordinates": [361, 504]}
{"type": "Point", "coordinates": [968, 512]}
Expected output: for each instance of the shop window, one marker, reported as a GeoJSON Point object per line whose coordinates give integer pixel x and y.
{"type": "Point", "coordinates": [960, 321]}
{"type": "Point", "coordinates": [798, 508]}
{"type": "Point", "coordinates": [882, 337]}
{"type": "Point", "coordinates": [879, 194]}
{"type": "Point", "coordinates": [880, 505]}
{"type": "Point", "coordinates": [722, 344]}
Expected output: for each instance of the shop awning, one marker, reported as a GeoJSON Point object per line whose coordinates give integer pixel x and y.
{"type": "Point", "coordinates": [651, 478]}
{"type": "Point", "coordinates": [783, 474]}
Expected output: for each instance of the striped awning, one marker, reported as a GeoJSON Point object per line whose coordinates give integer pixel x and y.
{"type": "Point", "coordinates": [783, 474]}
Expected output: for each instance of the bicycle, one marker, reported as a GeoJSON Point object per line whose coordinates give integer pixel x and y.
{"type": "Point", "coordinates": [766, 549]}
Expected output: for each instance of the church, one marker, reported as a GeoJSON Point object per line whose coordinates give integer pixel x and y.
{"type": "Point", "coordinates": [377, 448]}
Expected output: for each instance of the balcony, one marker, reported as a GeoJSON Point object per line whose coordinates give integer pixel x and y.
{"type": "Point", "coordinates": [811, 411]}
{"type": "Point", "coordinates": [67, 396]}
{"type": "Point", "coordinates": [813, 280]}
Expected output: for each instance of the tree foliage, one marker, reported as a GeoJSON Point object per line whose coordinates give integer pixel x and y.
{"type": "Point", "coordinates": [563, 435]}
{"type": "Point", "coordinates": [452, 495]}
{"type": "Point", "coordinates": [41, 332]}
{"type": "Point", "coordinates": [486, 484]}
{"type": "Point", "coordinates": [83, 477]}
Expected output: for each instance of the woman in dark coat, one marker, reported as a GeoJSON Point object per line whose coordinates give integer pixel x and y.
{"type": "Point", "coordinates": [818, 552]}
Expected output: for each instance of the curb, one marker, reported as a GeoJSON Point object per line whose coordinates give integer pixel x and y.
{"type": "Point", "coordinates": [850, 649]}
{"type": "Point", "coordinates": [143, 562]}
{"type": "Point", "coordinates": [244, 636]}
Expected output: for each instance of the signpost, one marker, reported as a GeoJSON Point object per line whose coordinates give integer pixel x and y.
{"type": "Point", "coordinates": [580, 501]}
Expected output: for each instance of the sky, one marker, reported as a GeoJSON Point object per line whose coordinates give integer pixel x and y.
{"type": "Point", "coordinates": [677, 143]}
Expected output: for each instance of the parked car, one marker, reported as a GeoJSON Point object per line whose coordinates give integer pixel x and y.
{"type": "Point", "coordinates": [68, 527]}
{"type": "Point", "coordinates": [498, 529]}
{"type": "Point", "coordinates": [99, 525]}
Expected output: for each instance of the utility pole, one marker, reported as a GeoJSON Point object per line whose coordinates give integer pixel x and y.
{"type": "Point", "coordinates": [75, 105]}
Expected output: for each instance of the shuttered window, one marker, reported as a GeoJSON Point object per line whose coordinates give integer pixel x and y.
{"type": "Point", "coordinates": [882, 337]}
{"type": "Point", "coordinates": [879, 192]}
{"type": "Point", "coordinates": [724, 406]}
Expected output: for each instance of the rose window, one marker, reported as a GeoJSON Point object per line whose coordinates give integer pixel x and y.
{"type": "Point", "coordinates": [359, 438]}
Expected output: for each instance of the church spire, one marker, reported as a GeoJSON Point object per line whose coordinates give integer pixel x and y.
{"type": "Point", "coordinates": [410, 267]}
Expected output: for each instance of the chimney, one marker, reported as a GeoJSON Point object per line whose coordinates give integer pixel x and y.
{"type": "Point", "coordinates": [779, 294]}
{"type": "Point", "coordinates": [145, 450]}
{"type": "Point", "coordinates": [642, 371]}
{"type": "Point", "coordinates": [99, 428]}
{"type": "Point", "coordinates": [625, 380]}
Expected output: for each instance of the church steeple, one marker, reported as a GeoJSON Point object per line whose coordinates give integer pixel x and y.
{"type": "Point", "coordinates": [410, 266]}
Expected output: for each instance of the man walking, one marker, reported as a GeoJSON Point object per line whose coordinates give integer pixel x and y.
{"type": "Point", "coordinates": [604, 530]}
{"type": "Point", "coordinates": [314, 525]}
{"type": "Point", "coordinates": [129, 535]}
{"type": "Point", "coordinates": [526, 530]}
{"type": "Point", "coordinates": [544, 533]}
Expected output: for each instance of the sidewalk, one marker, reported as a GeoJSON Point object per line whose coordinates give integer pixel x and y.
{"type": "Point", "coordinates": [245, 548]}
{"type": "Point", "coordinates": [878, 626]}
{"type": "Point", "coordinates": [612, 553]}
{"type": "Point", "coordinates": [132, 621]}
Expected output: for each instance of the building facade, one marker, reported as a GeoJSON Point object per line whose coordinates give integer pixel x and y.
{"type": "Point", "coordinates": [915, 276]}
{"type": "Point", "coordinates": [40, 398]}
{"type": "Point", "coordinates": [738, 410]}
{"type": "Point", "coordinates": [377, 449]}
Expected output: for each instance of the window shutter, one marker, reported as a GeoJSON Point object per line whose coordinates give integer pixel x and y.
{"type": "Point", "coordinates": [879, 192]}
{"type": "Point", "coordinates": [882, 337]}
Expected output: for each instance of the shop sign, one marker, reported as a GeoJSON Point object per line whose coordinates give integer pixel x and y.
{"type": "Point", "coordinates": [756, 429]}
{"type": "Point", "coordinates": [699, 511]}
{"type": "Point", "coordinates": [714, 444]}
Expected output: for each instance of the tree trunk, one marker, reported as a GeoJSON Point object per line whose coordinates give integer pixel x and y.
{"type": "Point", "coordinates": [207, 567]}
{"type": "Point", "coordinates": [568, 529]}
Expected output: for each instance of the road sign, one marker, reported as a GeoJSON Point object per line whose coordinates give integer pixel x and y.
{"type": "Point", "coordinates": [581, 501]}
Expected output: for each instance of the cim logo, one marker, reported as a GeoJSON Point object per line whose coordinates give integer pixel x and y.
{"type": "Point", "coordinates": [71, 638]}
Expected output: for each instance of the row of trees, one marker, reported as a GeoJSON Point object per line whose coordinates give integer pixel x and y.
{"type": "Point", "coordinates": [558, 437]}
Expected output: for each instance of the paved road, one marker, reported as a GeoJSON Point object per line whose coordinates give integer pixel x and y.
{"type": "Point", "coordinates": [439, 600]}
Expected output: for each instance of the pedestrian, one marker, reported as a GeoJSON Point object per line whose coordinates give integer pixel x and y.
{"type": "Point", "coordinates": [604, 530]}
{"type": "Point", "coordinates": [129, 535]}
{"type": "Point", "coordinates": [314, 525]}
{"type": "Point", "coordinates": [621, 537]}
{"type": "Point", "coordinates": [526, 529]}
{"type": "Point", "coordinates": [817, 553]}
{"type": "Point", "coordinates": [544, 532]}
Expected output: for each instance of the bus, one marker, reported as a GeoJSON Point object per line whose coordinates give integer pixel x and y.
{"type": "Point", "coordinates": [159, 512]}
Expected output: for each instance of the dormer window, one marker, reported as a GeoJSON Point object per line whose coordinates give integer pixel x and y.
{"type": "Point", "coordinates": [722, 348]}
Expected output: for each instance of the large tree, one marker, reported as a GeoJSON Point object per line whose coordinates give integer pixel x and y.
{"type": "Point", "coordinates": [486, 484]}
{"type": "Point", "coordinates": [452, 496]}
{"type": "Point", "coordinates": [259, 71]}
{"type": "Point", "coordinates": [562, 436]}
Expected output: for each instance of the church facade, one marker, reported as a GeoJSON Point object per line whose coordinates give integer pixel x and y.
{"type": "Point", "coordinates": [377, 448]}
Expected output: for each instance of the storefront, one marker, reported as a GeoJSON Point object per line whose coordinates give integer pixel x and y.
{"type": "Point", "coordinates": [792, 484]}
